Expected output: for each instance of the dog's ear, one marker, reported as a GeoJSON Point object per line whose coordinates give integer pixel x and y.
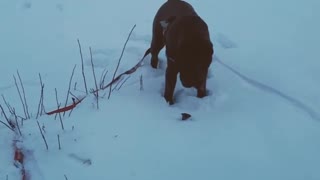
{"type": "Point", "coordinates": [165, 23]}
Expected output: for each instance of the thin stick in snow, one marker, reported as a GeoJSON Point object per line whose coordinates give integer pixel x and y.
{"type": "Point", "coordinates": [141, 83]}
{"type": "Point", "coordinates": [103, 77]}
{"type": "Point", "coordinates": [5, 116]}
{"type": "Point", "coordinates": [74, 97]}
{"type": "Point", "coordinates": [83, 74]}
{"type": "Point", "coordinates": [44, 139]}
{"type": "Point", "coordinates": [11, 109]}
{"type": "Point", "coordinates": [95, 79]}
{"type": "Point", "coordinates": [59, 108]}
{"type": "Point", "coordinates": [124, 47]}
{"type": "Point", "coordinates": [23, 105]}
{"type": "Point", "coordinates": [40, 105]}
{"type": "Point", "coordinates": [59, 142]}
{"type": "Point", "coordinates": [24, 95]}
{"type": "Point", "coordinates": [75, 86]}
{"type": "Point", "coordinates": [123, 83]}
{"type": "Point", "coordinates": [6, 125]}
{"type": "Point", "coordinates": [118, 83]}
{"type": "Point", "coordinates": [70, 81]}
{"type": "Point", "coordinates": [17, 124]}
{"type": "Point", "coordinates": [74, 102]}
{"type": "Point", "coordinates": [65, 176]}
{"type": "Point", "coordinates": [7, 104]}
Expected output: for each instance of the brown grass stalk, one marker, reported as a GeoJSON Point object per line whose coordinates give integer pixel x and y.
{"type": "Point", "coordinates": [82, 65]}
{"type": "Point", "coordinates": [96, 93]}
{"type": "Point", "coordinates": [22, 102]}
{"type": "Point", "coordinates": [58, 104]}
{"type": "Point", "coordinates": [24, 96]}
{"type": "Point", "coordinates": [44, 139]}
{"type": "Point", "coordinates": [123, 49]}
{"type": "Point", "coordinates": [40, 105]}
{"type": "Point", "coordinates": [70, 81]}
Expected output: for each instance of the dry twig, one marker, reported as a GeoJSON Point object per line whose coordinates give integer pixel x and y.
{"type": "Point", "coordinates": [82, 63]}
{"type": "Point", "coordinates": [141, 83]}
{"type": "Point", "coordinates": [125, 80]}
{"type": "Point", "coordinates": [95, 79]}
{"type": "Point", "coordinates": [70, 81]}
{"type": "Point", "coordinates": [17, 124]}
{"type": "Point", "coordinates": [40, 105]}
{"type": "Point", "coordinates": [6, 125]}
{"type": "Point", "coordinates": [7, 119]}
{"type": "Point", "coordinates": [22, 102]}
{"type": "Point", "coordinates": [44, 139]}
{"type": "Point", "coordinates": [7, 104]}
{"type": "Point", "coordinates": [124, 47]}
{"type": "Point", "coordinates": [24, 96]}
{"type": "Point", "coordinates": [59, 108]}
{"type": "Point", "coordinates": [103, 77]}
{"type": "Point", "coordinates": [59, 142]}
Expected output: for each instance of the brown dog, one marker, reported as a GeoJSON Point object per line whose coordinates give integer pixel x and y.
{"type": "Point", "coordinates": [168, 9]}
{"type": "Point", "coordinates": [188, 47]}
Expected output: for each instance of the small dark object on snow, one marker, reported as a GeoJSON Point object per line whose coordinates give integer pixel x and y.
{"type": "Point", "coordinates": [185, 116]}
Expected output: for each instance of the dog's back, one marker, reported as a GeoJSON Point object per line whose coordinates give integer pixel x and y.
{"type": "Point", "coordinates": [168, 9]}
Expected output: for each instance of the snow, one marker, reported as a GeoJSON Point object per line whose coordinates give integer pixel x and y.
{"type": "Point", "coordinates": [239, 131]}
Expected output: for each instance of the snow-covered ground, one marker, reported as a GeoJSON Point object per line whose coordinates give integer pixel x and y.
{"type": "Point", "coordinates": [242, 130]}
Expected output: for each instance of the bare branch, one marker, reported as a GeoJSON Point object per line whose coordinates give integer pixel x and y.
{"type": "Point", "coordinates": [74, 102]}
{"type": "Point", "coordinates": [23, 105]}
{"type": "Point", "coordinates": [75, 86]}
{"type": "Point", "coordinates": [95, 79]}
{"type": "Point", "coordinates": [5, 116]}
{"type": "Point", "coordinates": [124, 47]}
{"type": "Point", "coordinates": [7, 104]}
{"type": "Point", "coordinates": [59, 108]}
{"type": "Point", "coordinates": [118, 83]}
{"type": "Point", "coordinates": [40, 106]}
{"type": "Point", "coordinates": [17, 124]}
{"type": "Point", "coordinates": [83, 74]}
{"type": "Point", "coordinates": [70, 81]}
{"type": "Point", "coordinates": [24, 95]}
{"type": "Point", "coordinates": [59, 142]}
{"type": "Point", "coordinates": [141, 83]}
{"type": "Point", "coordinates": [6, 125]}
{"type": "Point", "coordinates": [103, 77]}
{"type": "Point", "coordinates": [44, 139]}
{"type": "Point", "coordinates": [125, 80]}
{"type": "Point", "coordinates": [74, 96]}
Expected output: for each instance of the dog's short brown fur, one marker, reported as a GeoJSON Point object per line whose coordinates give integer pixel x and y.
{"type": "Point", "coordinates": [188, 47]}
{"type": "Point", "coordinates": [168, 9]}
